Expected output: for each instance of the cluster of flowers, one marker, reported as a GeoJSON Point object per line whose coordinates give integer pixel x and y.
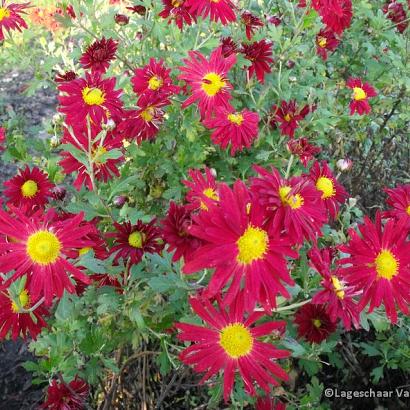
{"type": "Point", "coordinates": [245, 234]}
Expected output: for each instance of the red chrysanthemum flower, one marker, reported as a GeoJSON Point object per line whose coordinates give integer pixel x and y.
{"type": "Point", "coordinates": [96, 241]}
{"type": "Point", "coordinates": [144, 123]}
{"type": "Point", "coordinates": [208, 79]}
{"type": "Point", "coordinates": [396, 13]}
{"type": "Point", "coordinates": [294, 206]}
{"type": "Point", "coordinates": [71, 396]}
{"type": "Point", "coordinates": [238, 244]}
{"type": "Point", "coordinates": [305, 151]}
{"type": "Point", "coordinates": [222, 10]}
{"type": "Point", "coordinates": [314, 324]}
{"type": "Point", "coordinates": [239, 129]}
{"type": "Point", "coordinates": [399, 200]}
{"type": "Point", "coordinates": [41, 247]}
{"type": "Point", "coordinates": [229, 343]}
{"type": "Point", "coordinates": [132, 241]}
{"type": "Point", "coordinates": [66, 76]}
{"type": "Point", "coordinates": [29, 188]}
{"type": "Point", "coordinates": [228, 46]}
{"type": "Point", "coordinates": [251, 23]}
{"type": "Point", "coordinates": [203, 190]}
{"type": "Point", "coordinates": [336, 14]}
{"type": "Point", "coordinates": [177, 10]}
{"type": "Point", "coordinates": [337, 295]}
{"type": "Point", "coordinates": [379, 265]}
{"type": "Point", "coordinates": [153, 79]}
{"type": "Point", "coordinates": [99, 55]}
{"type": "Point", "coordinates": [361, 93]}
{"type": "Point", "coordinates": [92, 96]}
{"type": "Point", "coordinates": [326, 41]}
{"type": "Point", "coordinates": [16, 317]}
{"type": "Point", "coordinates": [333, 193]}
{"type": "Point", "coordinates": [288, 116]}
{"type": "Point", "coordinates": [10, 18]}
{"type": "Point", "coordinates": [175, 230]}
{"type": "Point", "coordinates": [259, 53]}
{"type": "Point", "coordinates": [103, 168]}
{"type": "Point", "coordinates": [269, 403]}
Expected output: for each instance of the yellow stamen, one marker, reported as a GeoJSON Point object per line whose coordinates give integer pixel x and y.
{"type": "Point", "coordinates": [4, 13]}
{"type": "Point", "coordinates": [317, 323]}
{"type": "Point", "coordinates": [211, 194]}
{"type": "Point", "coordinates": [408, 210]}
{"type": "Point", "coordinates": [177, 3]}
{"type": "Point", "coordinates": [154, 83]}
{"type": "Point", "coordinates": [236, 118]}
{"type": "Point", "coordinates": [24, 301]}
{"type": "Point", "coordinates": [212, 83]}
{"type": "Point", "coordinates": [287, 117]}
{"type": "Point", "coordinates": [322, 41]}
{"type": "Point", "coordinates": [43, 247]}
{"type": "Point", "coordinates": [327, 187]}
{"type": "Point", "coordinates": [148, 114]}
{"type": "Point", "coordinates": [236, 340]}
{"type": "Point", "coordinates": [387, 266]}
{"type": "Point", "coordinates": [136, 239]}
{"type": "Point", "coordinates": [359, 94]}
{"type": "Point", "coordinates": [29, 189]}
{"type": "Point", "coordinates": [252, 245]}
{"type": "Point", "coordinates": [93, 96]}
{"type": "Point", "coordinates": [294, 201]}
{"type": "Point", "coordinates": [338, 287]}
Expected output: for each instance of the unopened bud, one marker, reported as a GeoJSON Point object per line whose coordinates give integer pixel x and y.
{"type": "Point", "coordinates": [344, 164]}
{"type": "Point", "coordinates": [121, 19]}
{"type": "Point", "coordinates": [59, 192]}
{"type": "Point", "coordinates": [119, 201]}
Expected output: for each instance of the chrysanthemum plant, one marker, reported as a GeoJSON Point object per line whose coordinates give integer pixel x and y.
{"type": "Point", "coordinates": [190, 205]}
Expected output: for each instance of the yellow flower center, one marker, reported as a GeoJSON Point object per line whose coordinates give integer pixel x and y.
{"type": "Point", "coordinates": [252, 245]}
{"type": "Point", "coordinates": [408, 210]}
{"type": "Point", "coordinates": [177, 3]}
{"type": "Point", "coordinates": [85, 250]}
{"type": "Point", "coordinates": [23, 303]}
{"type": "Point", "coordinates": [287, 117]}
{"type": "Point", "coordinates": [148, 114]}
{"type": "Point", "coordinates": [317, 323]}
{"type": "Point", "coordinates": [154, 83]}
{"type": "Point", "coordinates": [29, 189]}
{"type": "Point", "coordinates": [322, 41]}
{"type": "Point", "coordinates": [4, 13]}
{"type": "Point", "coordinates": [212, 84]}
{"type": "Point", "coordinates": [209, 193]}
{"type": "Point", "coordinates": [359, 94]}
{"type": "Point", "coordinates": [387, 266]}
{"type": "Point", "coordinates": [294, 201]}
{"type": "Point", "coordinates": [326, 185]}
{"type": "Point", "coordinates": [93, 96]}
{"type": "Point", "coordinates": [135, 239]}
{"type": "Point", "coordinates": [43, 247]}
{"type": "Point", "coordinates": [236, 340]}
{"type": "Point", "coordinates": [338, 287]}
{"type": "Point", "coordinates": [97, 154]}
{"type": "Point", "coordinates": [236, 119]}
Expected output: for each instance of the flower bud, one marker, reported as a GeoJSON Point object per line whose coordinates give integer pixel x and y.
{"type": "Point", "coordinates": [121, 19]}
{"type": "Point", "coordinates": [119, 200]}
{"type": "Point", "coordinates": [344, 164]}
